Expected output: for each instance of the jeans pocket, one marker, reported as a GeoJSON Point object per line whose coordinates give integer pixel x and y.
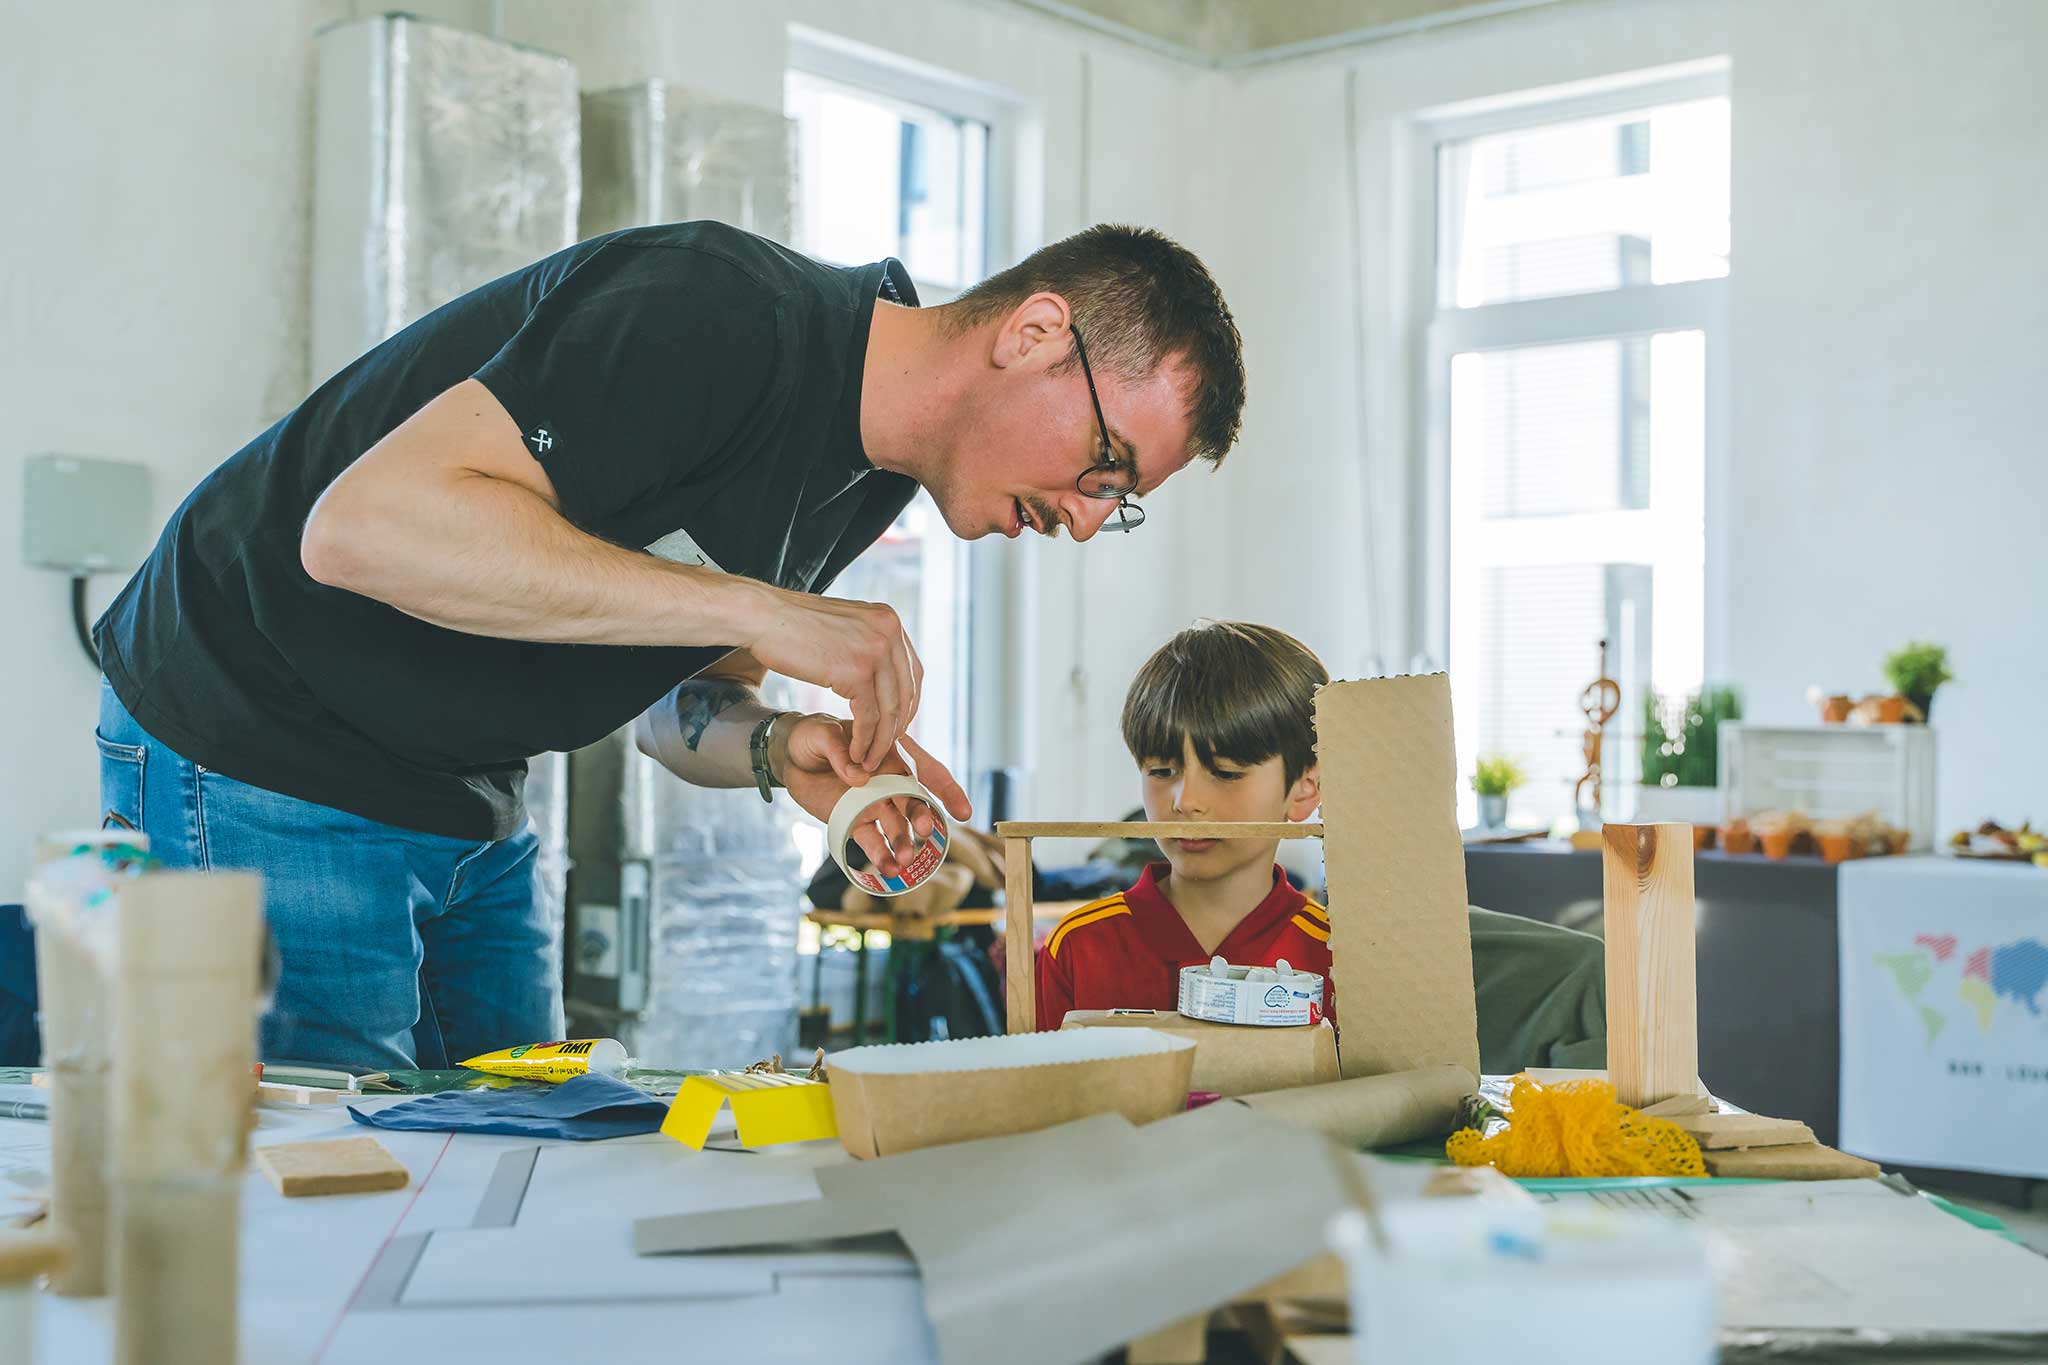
{"type": "Point", "coordinates": [121, 768]}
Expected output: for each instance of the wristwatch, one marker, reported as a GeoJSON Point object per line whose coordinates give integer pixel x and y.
{"type": "Point", "coordinates": [757, 748]}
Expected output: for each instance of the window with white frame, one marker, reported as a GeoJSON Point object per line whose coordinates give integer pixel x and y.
{"type": "Point", "coordinates": [1572, 373]}
{"type": "Point", "coordinates": [897, 161]}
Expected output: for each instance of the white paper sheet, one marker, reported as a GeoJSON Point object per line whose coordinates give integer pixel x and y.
{"type": "Point", "coordinates": [1852, 1255]}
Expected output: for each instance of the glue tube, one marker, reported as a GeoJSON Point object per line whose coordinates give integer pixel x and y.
{"type": "Point", "coordinates": [554, 1061]}
{"type": "Point", "coordinates": [849, 813]}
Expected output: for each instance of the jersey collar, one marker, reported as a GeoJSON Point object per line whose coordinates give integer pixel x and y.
{"type": "Point", "coordinates": [1166, 933]}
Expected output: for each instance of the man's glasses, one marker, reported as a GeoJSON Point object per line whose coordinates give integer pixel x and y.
{"type": "Point", "coordinates": [1108, 478]}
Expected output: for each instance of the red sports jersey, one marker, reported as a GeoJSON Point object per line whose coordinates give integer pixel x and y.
{"type": "Point", "coordinates": [1126, 952]}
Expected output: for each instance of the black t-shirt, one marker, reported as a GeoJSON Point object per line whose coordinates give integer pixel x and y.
{"type": "Point", "coordinates": [691, 389]}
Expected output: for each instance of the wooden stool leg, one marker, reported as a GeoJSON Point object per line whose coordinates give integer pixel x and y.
{"type": "Point", "coordinates": [1653, 1048]}
{"type": "Point", "coordinates": [1017, 936]}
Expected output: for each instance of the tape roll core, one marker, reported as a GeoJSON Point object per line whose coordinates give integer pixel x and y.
{"type": "Point", "coordinates": [846, 813]}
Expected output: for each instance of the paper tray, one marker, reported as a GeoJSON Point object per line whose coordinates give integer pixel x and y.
{"type": "Point", "coordinates": [898, 1097]}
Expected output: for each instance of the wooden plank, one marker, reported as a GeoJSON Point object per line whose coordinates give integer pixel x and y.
{"type": "Point", "coordinates": [1810, 1161]}
{"type": "Point", "coordinates": [1017, 935]}
{"type": "Point", "coordinates": [339, 1166]}
{"type": "Point", "coordinates": [1716, 1132]}
{"type": "Point", "coordinates": [1652, 1002]}
{"type": "Point", "coordinates": [1157, 829]}
{"type": "Point", "coordinates": [1182, 1343]}
{"type": "Point", "coordinates": [1680, 1106]}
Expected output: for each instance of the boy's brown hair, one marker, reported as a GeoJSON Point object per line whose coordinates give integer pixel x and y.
{"type": "Point", "coordinates": [1242, 691]}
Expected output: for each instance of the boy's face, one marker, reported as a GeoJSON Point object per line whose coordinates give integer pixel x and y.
{"type": "Point", "coordinates": [1183, 788]}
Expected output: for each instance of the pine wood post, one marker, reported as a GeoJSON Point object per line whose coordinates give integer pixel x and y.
{"type": "Point", "coordinates": [1652, 990]}
{"type": "Point", "coordinates": [1019, 969]}
{"type": "Point", "coordinates": [184, 1044]}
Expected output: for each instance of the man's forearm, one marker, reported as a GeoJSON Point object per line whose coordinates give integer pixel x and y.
{"type": "Point", "coordinates": [450, 520]}
{"type": "Point", "coordinates": [507, 564]}
{"type": "Point", "coordinates": [701, 731]}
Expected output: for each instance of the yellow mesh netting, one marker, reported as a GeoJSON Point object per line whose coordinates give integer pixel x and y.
{"type": "Point", "coordinates": [1576, 1128]}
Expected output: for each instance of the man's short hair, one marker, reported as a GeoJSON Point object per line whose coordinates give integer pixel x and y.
{"type": "Point", "coordinates": [1236, 690]}
{"type": "Point", "coordinates": [1140, 299]}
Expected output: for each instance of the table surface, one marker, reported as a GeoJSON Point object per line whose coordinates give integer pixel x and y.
{"type": "Point", "coordinates": [492, 1252]}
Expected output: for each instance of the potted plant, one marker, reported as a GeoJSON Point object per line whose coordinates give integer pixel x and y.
{"type": "Point", "coordinates": [1915, 670]}
{"type": "Point", "coordinates": [1493, 777]}
{"type": "Point", "coordinates": [1681, 754]}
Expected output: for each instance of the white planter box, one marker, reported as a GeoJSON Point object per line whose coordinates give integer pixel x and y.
{"type": "Point", "coordinates": [1688, 805]}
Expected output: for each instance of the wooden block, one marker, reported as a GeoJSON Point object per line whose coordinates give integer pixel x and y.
{"type": "Point", "coordinates": [340, 1166]}
{"type": "Point", "coordinates": [1182, 1343]}
{"type": "Point", "coordinates": [1716, 1132]}
{"type": "Point", "coordinates": [1680, 1106]}
{"type": "Point", "coordinates": [276, 1092]}
{"type": "Point", "coordinates": [1809, 1162]}
{"type": "Point", "coordinates": [1020, 969]}
{"type": "Point", "coordinates": [1652, 1003]}
{"type": "Point", "coordinates": [26, 1254]}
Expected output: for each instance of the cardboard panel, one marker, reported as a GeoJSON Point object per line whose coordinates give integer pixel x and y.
{"type": "Point", "coordinates": [1400, 942]}
{"type": "Point", "coordinates": [1234, 1059]}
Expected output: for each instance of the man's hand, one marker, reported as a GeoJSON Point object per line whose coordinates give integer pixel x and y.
{"type": "Point", "coordinates": [860, 651]}
{"type": "Point", "coordinates": [815, 764]}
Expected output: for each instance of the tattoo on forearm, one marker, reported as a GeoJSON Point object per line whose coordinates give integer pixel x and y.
{"type": "Point", "coordinates": [698, 703]}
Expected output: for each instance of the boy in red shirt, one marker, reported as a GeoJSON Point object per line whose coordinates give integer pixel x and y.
{"type": "Point", "coordinates": [1222, 724]}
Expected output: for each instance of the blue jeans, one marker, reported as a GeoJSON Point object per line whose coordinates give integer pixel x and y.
{"type": "Point", "coordinates": [398, 949]}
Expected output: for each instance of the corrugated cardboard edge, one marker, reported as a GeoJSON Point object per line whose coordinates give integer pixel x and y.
{"type": "Point", "coordinates": [1400, 941]}
{"type": "Point", "coordinates": [880, 1115]}
{"type": "Point", "coordinates": [1314, 1064]}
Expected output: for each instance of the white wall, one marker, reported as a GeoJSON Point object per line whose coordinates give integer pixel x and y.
{"type": "Point", "coordinates": [1888, 308]}
{"type": "Point", "coordinates": [1888, 321]}
{"type": "Point", "coordinates": [153, 288]}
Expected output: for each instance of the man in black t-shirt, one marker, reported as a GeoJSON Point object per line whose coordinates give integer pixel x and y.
{"type": "Point", "coordinates": [612, 485]}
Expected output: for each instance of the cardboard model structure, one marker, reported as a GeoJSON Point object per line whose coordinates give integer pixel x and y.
{"type": "Point", "coordinates": [1400, 942]}
{"type": "Point", "coordinates": [156, 982]}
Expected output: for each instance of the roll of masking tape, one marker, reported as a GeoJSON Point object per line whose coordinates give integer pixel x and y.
{"type": "Point", "coordinates": [848, 814]}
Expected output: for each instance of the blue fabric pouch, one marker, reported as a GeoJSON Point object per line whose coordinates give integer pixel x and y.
{"type": "Point", "coordinates": [581, 1110]}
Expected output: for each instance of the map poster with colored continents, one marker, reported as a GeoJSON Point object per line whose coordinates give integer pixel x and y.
{"type": "Point", "coordinates": [1944, 970]}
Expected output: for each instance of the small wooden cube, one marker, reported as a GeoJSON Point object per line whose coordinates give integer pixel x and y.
{"type": "Point", "coordinates": [340, 1166]}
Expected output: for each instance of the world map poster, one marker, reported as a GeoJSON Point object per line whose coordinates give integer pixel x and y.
{"type": "Point", "coordinates": [1944, 976]}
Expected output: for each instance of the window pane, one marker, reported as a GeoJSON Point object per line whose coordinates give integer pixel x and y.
{"type": "Point", "coordinates": [1586, 206]}
{"type": "Point", "coordinates": [1566, 427]}
{"type": "Point", "coordinates": [1538, 646]}
{"type": "Point", "coordinates": [881, 177]}
{"type": "Point", "coordinates": [1577, 501]}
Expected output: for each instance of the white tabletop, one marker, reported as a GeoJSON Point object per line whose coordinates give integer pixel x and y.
{"type": "Point", "coordinates": [348, 1278]}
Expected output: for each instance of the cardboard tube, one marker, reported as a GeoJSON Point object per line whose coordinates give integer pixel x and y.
{"type": "Point", "coordinates": [846, 814]}
{"type": "Point", "coordinates": [1374, 1111]}
{"type": "Point", "coordinates": [76, 1008]}
{"type": "Point", "coordinates": [186, 991]}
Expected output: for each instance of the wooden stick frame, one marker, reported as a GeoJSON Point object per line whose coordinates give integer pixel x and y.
{"type": "Point", "coordinates": [1018, 937]}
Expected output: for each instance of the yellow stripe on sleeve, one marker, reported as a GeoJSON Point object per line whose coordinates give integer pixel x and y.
{"type": "Point", "coordinates": [1087, 914]}
{"type": "Point", "coordinates": [1312, 929]}
{"type": "Point", "coordinates": [1315, 911]}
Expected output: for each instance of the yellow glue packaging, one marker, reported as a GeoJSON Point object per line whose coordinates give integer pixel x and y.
{"type": "Point", "coordinates": [554, 1061]}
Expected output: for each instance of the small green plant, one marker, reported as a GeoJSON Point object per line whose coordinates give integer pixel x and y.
{"type": "Point", "coordinates": [1916, 669]}
{"type": "Point", "coordinates": [1681, 738]}
{"type": "Point", "coordinates": [1497, 775]}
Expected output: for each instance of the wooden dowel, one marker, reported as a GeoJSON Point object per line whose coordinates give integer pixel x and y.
{"type": "Point", "coordinates": [1019, 973]}
{"type": "Point", "coordinates": [1156, 829]}
{"type": "Point", "coordinates": [1652, 988]}
{"type": "Point", "coordinates": [184, 1045]}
